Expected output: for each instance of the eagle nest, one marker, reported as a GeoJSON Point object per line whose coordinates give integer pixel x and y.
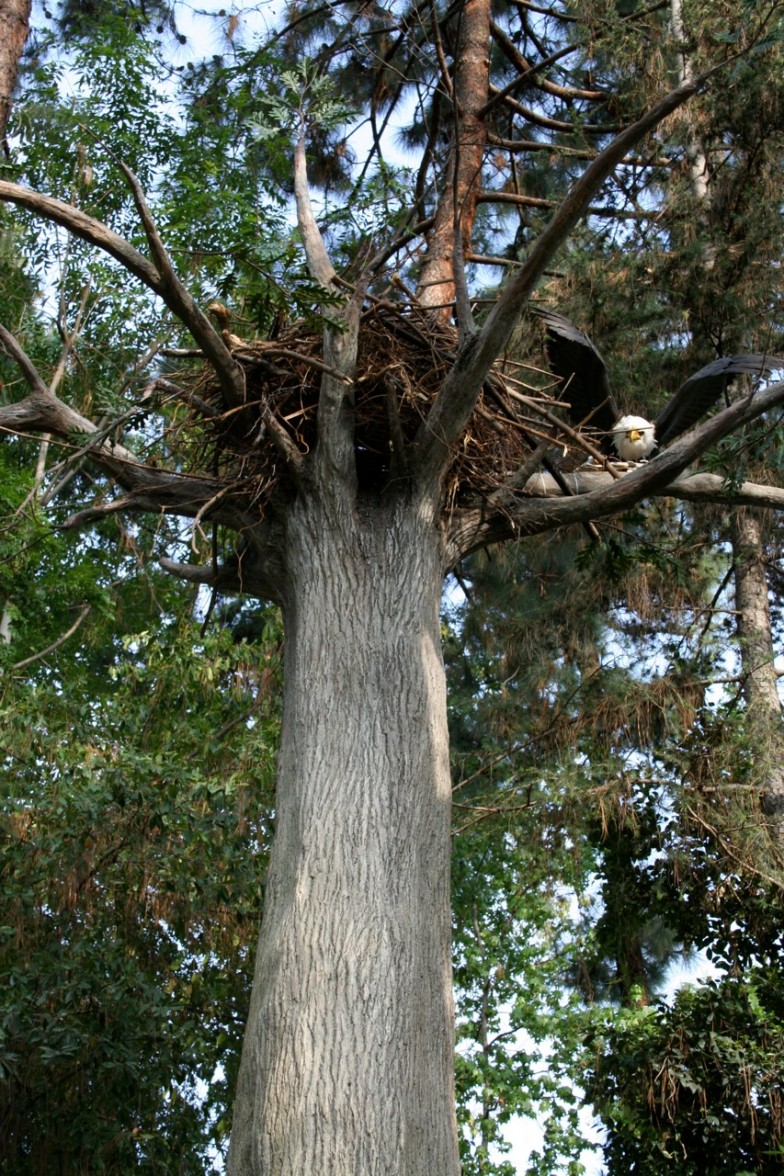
{"type": "Point", "coordinates": [403, 359]}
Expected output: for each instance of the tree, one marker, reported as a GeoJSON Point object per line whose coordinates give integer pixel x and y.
{"type": "Point", "coordinates": [345, 462]}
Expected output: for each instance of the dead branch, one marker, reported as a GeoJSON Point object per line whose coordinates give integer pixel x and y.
{"type": "Point", "coordinates": [230, 374]}
{"type": "Point", "coordinates": [166, 285]}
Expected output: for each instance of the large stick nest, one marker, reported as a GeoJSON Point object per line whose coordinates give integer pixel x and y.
{"type": "Point", "coordinates": [403, 358]}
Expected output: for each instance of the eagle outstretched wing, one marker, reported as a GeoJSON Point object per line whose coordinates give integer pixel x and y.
{"type": "Point", "coordinates": [586, 386]}
{"type": "Point", "coordinates": [701, 391]}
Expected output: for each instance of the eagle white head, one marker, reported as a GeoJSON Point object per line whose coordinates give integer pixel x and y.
{"type": "Point", "coordinates": [634, 438]}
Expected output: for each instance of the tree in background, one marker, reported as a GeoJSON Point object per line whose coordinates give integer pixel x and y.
{"type": "Point", "coordinates": [339, 464]}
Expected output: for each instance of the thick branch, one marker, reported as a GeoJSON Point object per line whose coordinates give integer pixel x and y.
{"type": "Point", "coordinates": [455, 402]}
{"type": "Point", "coordinates": [85, 227]}
{"type": "Point", "coordinates": [321, 268]}
{"type": "Point", "coordinates": [42, 411]}
{"type": "Point", "coordinates": [165, 284]}
{"type": "Point", "coordinates": [477, 527]}
{"type": "Point", "coordinates": [701, 487]}
{"type": "Point", "coordinates": [251, 572]}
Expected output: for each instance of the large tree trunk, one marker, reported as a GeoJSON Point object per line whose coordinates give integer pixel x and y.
{"type": "Point", "coordinates": [759, 674]}
{"type": "Point", "coordinates": [14, 26]}
{"type": "Point", "coordinates": [347, 1064]}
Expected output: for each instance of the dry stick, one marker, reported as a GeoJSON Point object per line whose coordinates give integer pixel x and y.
{"type": "Point", "coordinates": [731, 853]}
{"type": "Point", "coordinates": [397, 438]}
{"type": "Point", "coordinates": [309, 360]}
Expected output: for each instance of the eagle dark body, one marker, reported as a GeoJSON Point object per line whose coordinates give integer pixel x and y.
{"type": "Point", "coordinates": [575, 359]}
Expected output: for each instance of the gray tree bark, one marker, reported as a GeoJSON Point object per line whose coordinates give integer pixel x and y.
{"type": "Point", "coordinates": [347, 1064]}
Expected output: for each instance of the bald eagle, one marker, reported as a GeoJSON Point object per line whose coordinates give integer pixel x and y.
{"type": "Point", "coordinates": [574, 358]}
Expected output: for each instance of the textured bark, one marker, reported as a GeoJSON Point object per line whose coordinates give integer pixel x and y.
{"type": "Point", "coordinates": [759, 674]}
{"type": "Point", "coordinates": [347, 1063]}
{"type": "Point", "coordinates": [14, 25]}
{"type": "Point", "coordinates": [463, 180]}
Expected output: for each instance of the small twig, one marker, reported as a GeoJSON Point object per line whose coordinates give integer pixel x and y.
{"type": "Point", "coordinates": [310, 360]}
{"type": "Point", "coordinates": [55, 644]}
{"type": "Point", "coordinates": [295, 462]}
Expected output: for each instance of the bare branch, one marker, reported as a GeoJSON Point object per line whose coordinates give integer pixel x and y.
{"type": "Point", "coordinates": [85, 227]}
{"type": "Point", "coordinates": [42, 411]}
{"type": "Point", "coordinates": [230, 375]}
{"type": "Point", "coordinates": [701, 487]}
{"type": "Point", "coordinates": [321, 268]}
{"type": "Point", "coordinates": [256, 573]}
{"type": "Point", "coordinates": [151, 489]}
{"type": "Point", "coordinates": [20, 665]}
{"type": "Point", "coordinates": [165, 284]}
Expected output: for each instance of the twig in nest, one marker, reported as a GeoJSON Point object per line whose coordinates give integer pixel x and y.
{"type": "Point", "coordinates": [286, 447]}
